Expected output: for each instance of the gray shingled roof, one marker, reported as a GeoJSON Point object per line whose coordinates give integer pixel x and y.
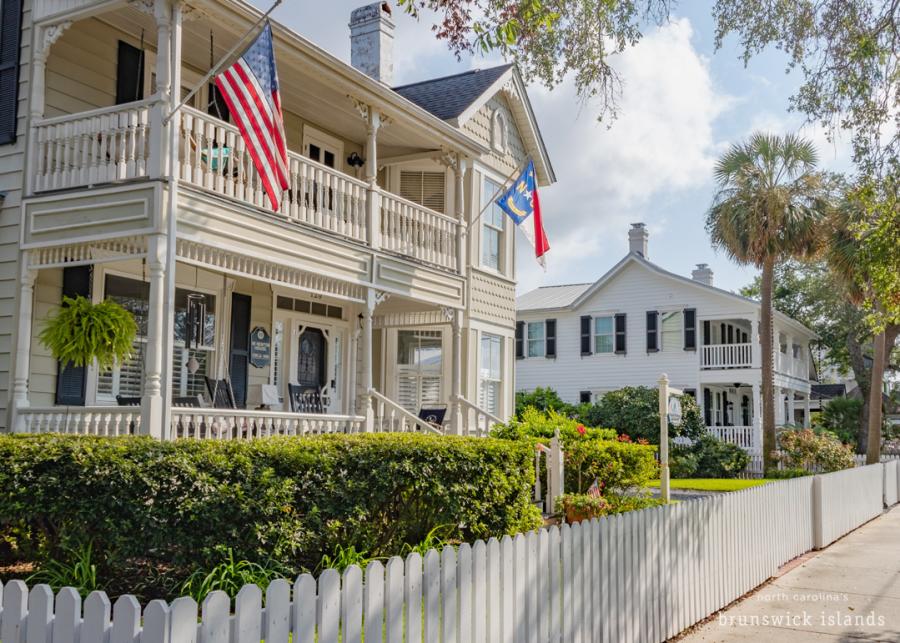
{"type": "Point", "coordinates": [550, 297]}
{"type": "Point", "coordinates": [448, 97]}
{"type": "Point", "coordinates": [827, 391]}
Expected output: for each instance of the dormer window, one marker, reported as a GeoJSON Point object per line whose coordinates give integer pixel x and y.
{"type": "Point", "coordinates": [499, 132]}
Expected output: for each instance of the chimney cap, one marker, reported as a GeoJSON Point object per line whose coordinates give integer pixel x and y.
{"type": "Point", "coordinates": [702, 266]}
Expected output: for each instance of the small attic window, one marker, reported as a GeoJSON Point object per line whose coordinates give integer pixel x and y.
{"type": "Point", "coordinates": [499, 131]}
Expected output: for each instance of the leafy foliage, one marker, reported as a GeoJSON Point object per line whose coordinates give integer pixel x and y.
{"type": "Point", "coordinates": [841, 417]}
{"type": "Point", "coordinates": [581, 506]}
{"type": "Point", "coordinates": [634, 411]}
{"type": "Point", "coordinates": [81, 332]}
{"type": "Point", "coordinates": [177, 506]}
{"type": "Point", "coordinates": [542, 399]}
{"type": "Point", "coordinates": [708, 457]}
{"type": "Point", "coordinates": [617, 466]}
{"type": "Point", "coordinates": [229, 576]}
{"type": "Point", "coordinates": [548, 40]}
{"type": "Point", "coordinates": [818, 452]}
{"type": "Point", "coordinates": [534, 423]}
{"type": "Point", "coordinates": [75, 568]}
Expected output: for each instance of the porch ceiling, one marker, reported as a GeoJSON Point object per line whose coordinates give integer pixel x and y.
{"type": "Point", "coordinates": [314, 84]}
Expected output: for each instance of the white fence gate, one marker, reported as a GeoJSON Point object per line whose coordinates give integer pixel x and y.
{"type": "Point", "coordinates": [640, 576]}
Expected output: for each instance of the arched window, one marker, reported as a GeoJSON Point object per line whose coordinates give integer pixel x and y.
{"type": "Point", "coordinates": [499, 131]}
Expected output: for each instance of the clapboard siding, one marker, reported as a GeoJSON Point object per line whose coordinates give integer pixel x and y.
{"type": "Point", "coordinates": [12, 162]}
{"type": "Point", "coordinates": [636, 289]}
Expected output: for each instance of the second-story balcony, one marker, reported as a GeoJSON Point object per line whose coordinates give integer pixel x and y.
{"type": "Point", "coordinates": [727, 355]}
{"type": "Point", "coordinates": [117, 144]}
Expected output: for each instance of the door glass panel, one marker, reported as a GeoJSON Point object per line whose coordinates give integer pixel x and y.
{"type": "Point", "coordinates": [311, 359]}
{"type": "Point", "coordinates": [315, 153]}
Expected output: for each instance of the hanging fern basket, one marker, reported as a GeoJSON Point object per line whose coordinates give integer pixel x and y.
{"type": "Point", "coordinates": [81, 332]}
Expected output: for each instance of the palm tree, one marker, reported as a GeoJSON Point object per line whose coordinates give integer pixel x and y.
{"type": "Point", "coordinates": [768, 208]}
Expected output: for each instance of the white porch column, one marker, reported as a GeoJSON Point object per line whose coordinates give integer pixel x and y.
{"type": "Point", "coordinates": [23, 342]}
{"type": "Point", "coordinates": [459, 171]}
{"type": "Point", "coordinates": [456, 417]}
{"type": "Point", "coordinates": [756, 410]}
{"type": "Point", "coordinates": [364, 403]}
{"type": "Point", "coordinates": [806, 418]}
{"type": "Point", "coordinates": [756, 347]}
{"type": "Point", "coordinates": [373, 196]}
{"type": "Point", "coordinates": [154, 401]}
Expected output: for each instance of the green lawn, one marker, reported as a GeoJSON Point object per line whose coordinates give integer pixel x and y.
{"type": "Point", "coordinates": [713, 484]}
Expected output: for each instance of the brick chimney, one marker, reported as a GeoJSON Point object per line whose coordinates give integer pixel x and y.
{"type": "Point", "coordinates": [372, 41]}
{"type": "Point", "coordinates": [638, 238]}
{"type": "Point", "coordinates": [703, 273]}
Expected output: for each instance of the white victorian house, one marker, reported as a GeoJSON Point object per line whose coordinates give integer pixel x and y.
{"type": "Point", "coordinates": [368, 294]}
{"type": "Point", "coordinates": [638, 321]}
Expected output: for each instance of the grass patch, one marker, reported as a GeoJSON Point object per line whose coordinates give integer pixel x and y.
{"type": "Point", "coordinates": [713, 484]}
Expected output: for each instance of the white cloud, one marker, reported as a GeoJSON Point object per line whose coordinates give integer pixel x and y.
{"type": "Point", "coordinates": [662, 143]}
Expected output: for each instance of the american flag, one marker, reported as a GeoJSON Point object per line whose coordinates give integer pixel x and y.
{"type": "Point", "coordinates": [594, 490]}
{"type": "Point", "coordinates": [250, 89]}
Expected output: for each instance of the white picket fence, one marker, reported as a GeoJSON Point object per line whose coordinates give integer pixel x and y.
{"type": "Point", "coordinates": [640, 576]}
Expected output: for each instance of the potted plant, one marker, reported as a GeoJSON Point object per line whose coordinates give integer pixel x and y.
{"type": "Point", "coordinates": [81, 332]}
{"type": "Point", "coordinates": [581, 506]}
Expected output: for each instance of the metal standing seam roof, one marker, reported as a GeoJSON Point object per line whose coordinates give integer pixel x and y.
{"type": "Point", "coordinates": [550, 297]}
{"type": "Point", "coordinates": [449, 96]}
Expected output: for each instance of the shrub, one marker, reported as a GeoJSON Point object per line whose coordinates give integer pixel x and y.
{"type": "Point", "coordinates": [707, 457]}
{"type": "Point", "coordinates": [535, 423]}
{"type": "Point", "coordinates": [819, 452]}
{"type": "Point", "coordinates": [542, 399]}
{"type": "Point", "coordinates": [617, 466]}
{"type": "Point", "coordinates": [682, 462]}
{"type": "Point", "coordinates": [842, 416]}
{"type": "Point", "coordinates": [786, 474]}
{"type": "Point", "coordinates": [634, 411]}
{"type": "Point", "coordinates": [581, 506]}
{"type": "Point", "coordinates": [178, 506]}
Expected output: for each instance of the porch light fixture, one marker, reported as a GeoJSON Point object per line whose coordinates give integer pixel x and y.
{"type": "Point", "coordinates": [360, 317]}
{"type": "Point", "coordinates": [193, 365]}
{"type": "Point", "coordinates": [355, 160]}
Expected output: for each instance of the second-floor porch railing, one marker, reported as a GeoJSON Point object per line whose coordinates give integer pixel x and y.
{"type": "Point", "coordinates": [99, 146]}
{"type": "Point", "coordinates": [727, 356]}
{"type": "Point", "coordinates": [120, 143]}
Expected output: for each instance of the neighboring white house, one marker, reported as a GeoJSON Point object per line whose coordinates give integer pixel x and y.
{"type": "Point", "coordinates": [638, 321]}
{"type": "Point", "coordinates": [368, 289]}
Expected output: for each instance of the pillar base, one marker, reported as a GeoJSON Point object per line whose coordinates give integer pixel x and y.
{"type": "Point", "coordinates": [153, 417]}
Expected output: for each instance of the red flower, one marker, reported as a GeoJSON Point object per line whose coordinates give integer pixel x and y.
{"type": "Point", "coordinates": [580, 428]}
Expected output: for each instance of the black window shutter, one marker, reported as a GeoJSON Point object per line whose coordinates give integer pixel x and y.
{"type": "Point", "coordinates": [586, 335]}
{"type": "Point", "coordinates": [584, 397]}
{"type": "Point", "coordinates": [730, 334]}
{"type": "Point", "coordinates": [129, 74]}
{"type": "Point", "coordinates": [707, 331]}
{"type": "Point", "coordinates": [690, 329]}
{"type": "Point", "coordinates": [707, 406]}
{"type": "Point", "coordinates": [71, 380]}
{"type": "Point", "coordinates": [10, 41]}
{"type": "Point", "coordinates": [239, 355]}
{"type": "Point", "coordinates": [520, 340]}
{"type": "Point", "coordinates": [620, 333]}
{"type": "Point", "coordinates": [550, 333]}
{"type": "Point", "coordinates": [652, 334]}
{"type": "Point", "coordinates": [691, 392]}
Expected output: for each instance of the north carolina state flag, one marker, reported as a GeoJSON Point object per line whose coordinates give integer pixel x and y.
{"type": "Point", "coordinates": [523, 206]}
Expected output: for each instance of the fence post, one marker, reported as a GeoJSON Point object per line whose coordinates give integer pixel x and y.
{"type": "Point", "coordinates": [664, 437]}
{"type": "Point", "coordinates": [555, 473]}
{"type": "Point", "coordinates": [818, 513]}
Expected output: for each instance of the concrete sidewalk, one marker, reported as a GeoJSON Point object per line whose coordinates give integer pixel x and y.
{"type": "Point", "coordinates": [847, 592]}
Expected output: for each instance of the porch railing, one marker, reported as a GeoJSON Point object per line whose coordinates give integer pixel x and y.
{"type": "Point", "coordinates": [213, 156]}
{"type": "Point", "coordinates": [233, 424]}
{"type": "Point", "coordinates": [742, 436]}
{"type": "Point", "coordinates": [98, 146]}
{"type": "Point", "coordinates": [727, 356]}
{"type": "Point", "coordinates": [411, 229]}
{"type": "Point", "coordinates": [476, 420]}
{"type": "Point", "coordinates": [81, 420]}
{"type": "Point", "coordinates": [390, 417]}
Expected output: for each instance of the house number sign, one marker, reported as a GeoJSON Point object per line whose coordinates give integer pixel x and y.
{"type": "Point", "coordinates": [260, 347]}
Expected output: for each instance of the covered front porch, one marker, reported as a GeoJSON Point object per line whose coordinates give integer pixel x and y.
{"type": "Point", "coordinates": [234, 348]}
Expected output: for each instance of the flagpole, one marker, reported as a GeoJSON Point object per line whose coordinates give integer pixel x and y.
{"type": "Point", "coordinates": [220, 64]}
{"type": "Point", "coordinates": [484, 208]}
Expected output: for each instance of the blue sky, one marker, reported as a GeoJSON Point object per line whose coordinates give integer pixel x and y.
{"type": "Point", "coordinates": [683, 105]}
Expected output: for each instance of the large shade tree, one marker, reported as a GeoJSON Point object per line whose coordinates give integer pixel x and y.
{"type": "Point", "coordinates": [769, 207]}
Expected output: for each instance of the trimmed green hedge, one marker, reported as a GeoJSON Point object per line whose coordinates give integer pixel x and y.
{"type": "Point", "coordinates": [178, 506]}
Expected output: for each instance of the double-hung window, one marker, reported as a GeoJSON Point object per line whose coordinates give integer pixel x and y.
{"type": "Point", "coordinates": [672, 331]}
{"type": "Point", "coordinates": [604, 334]}
{"type": "Point", "coordinates": [489, 373]}
{"type": "Point", "coordinates": [491, 228]}
{"type": "Point", "coordinates": [536, 339]}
